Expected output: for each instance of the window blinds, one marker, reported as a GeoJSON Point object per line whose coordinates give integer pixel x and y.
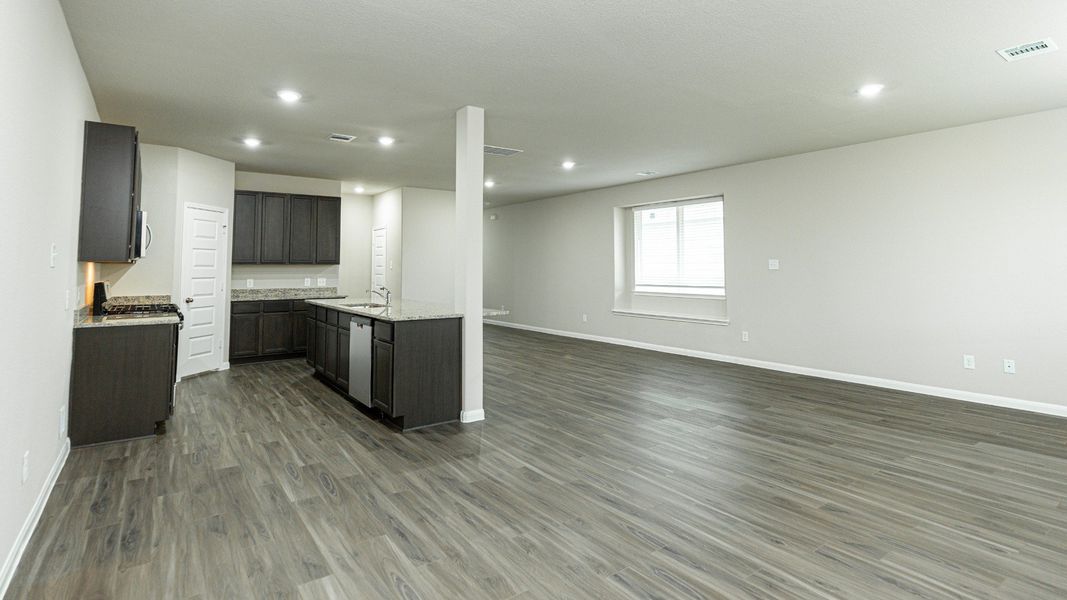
{"type": "Point", "coordinates": [680, 245]}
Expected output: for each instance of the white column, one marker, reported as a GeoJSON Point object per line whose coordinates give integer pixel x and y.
{"type": "Point", "coordinates": [470, 138]}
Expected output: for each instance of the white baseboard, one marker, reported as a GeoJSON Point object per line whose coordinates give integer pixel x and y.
{"type": "Point", "coordinates": [225, 366]}
{"type": "Point", "coordinates": [471, 416]}
{"type": "Point", "coordinates": [892, 384]}
{"type": "Point", "coordinates": [23, 539]}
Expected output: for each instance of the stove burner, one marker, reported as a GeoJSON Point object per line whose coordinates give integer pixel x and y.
{"type": "Point", "coordinates": [142, 310]}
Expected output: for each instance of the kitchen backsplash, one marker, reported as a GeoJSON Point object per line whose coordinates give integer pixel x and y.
{"type": "Point", "coordinates": [283, 276]}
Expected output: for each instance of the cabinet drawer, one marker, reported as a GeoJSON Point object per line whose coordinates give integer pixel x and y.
{"type": "Point", "coordinates": [245, 308]}
{"type": "Point", "coordinates": [299, 306]}
{"type": "Point", "coordinates": [383, 330]}
{"type": "Point", "coordinates": [276, 306]}
{"type": "Point", "coordinates": [320, 314]}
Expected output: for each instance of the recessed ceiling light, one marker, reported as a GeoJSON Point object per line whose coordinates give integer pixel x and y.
{"type": "Point", "coordinates": [358, 189]}
{"type": "Point", "coordinates": [386, 140]}
{"type": "Point", "coordinates": [647, 173]}
{"type": "Point", "coordinates": [568, 164]}
{"type": "Point", "coordinates": [489, 183]}
{"type": "Point", "coordinates": [871, 90]}
{"type": "Point", "coordinates": [252, 142]}
{"type": "Point", "coordinates": [289, 96]}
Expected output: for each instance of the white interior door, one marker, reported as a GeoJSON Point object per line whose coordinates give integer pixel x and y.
{"type": "Point", "coordinates": [378, 258]}
{"type": "Point", "coordinates": [203, 283]}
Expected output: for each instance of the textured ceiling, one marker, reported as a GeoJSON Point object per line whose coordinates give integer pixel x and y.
{"type": "Point", "coordinates": [620, 86]}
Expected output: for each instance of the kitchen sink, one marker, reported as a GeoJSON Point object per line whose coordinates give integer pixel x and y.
{"type": "Point", "coordinates": [366, 305]}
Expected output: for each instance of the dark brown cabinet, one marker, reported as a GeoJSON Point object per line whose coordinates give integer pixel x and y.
{"type": "Point", "coordinates": [273, 229]}
{"type": "Point", "coordinates": [302, 229]}
{"type": "Point", "coordinates": [270, 228]}
{"type": "Point", "coordinates": [245, 220]}
{"type": "Point", "coordinates": [267, 330]}
{"type": "Point", "coordinates": [415, 370]}
{"type": "Point", "coordinates": [122, 382]}
{"type": "Point", "coordinates": [382, 381]}
{"type": "Point", "coordinates": [328, 231]}
{"type": "Point", "coordinates": [111, 194]}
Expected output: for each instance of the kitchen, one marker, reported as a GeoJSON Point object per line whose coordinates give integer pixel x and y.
{"type": "Point", "coordinates": [288, 268]}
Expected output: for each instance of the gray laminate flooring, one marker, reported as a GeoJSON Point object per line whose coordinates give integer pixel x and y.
{"type": "Point", "coordinates": [601, 472]}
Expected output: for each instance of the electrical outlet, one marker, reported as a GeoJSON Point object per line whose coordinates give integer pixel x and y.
{"type": "Point", "coordinates": [1009, 366]}
{"type": "Point", "coordinates": [968, 361]}
{"type": "Point", "coordinates": [307, 282]}
{"type": "Point", "coordinates": [249, 283]}
{"type": "Point", "coordinates": [772, 264]}
{"type": "Point", "coordinates": [585, 318]}
{"type": "Point", "coordinates": [25, 467]}
{"type": "Point", "coordinates": [52, 256]}
{"type": "Point", "coordinates": [322, 282]}
{"type": "Point", "coordinates": [62, 422]}
{"type": "Point", "coordinates": [744, 336]}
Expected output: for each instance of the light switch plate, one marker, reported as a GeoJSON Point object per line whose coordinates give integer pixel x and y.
{"type": "Point", "coordinates": [772, 264]}
{"type": "Point", "coordinates": [249, 283]}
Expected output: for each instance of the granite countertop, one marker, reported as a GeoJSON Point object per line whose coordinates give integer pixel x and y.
{"type": "Point", "coordinates": [399, 310]}
{"type": "Point", "coordinates": [124, 321]}
{"type": "Point", "coordinates": [299, 293]}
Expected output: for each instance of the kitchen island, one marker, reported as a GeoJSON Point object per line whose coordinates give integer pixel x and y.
{"type": "Point", "coordinates": [404, 359]}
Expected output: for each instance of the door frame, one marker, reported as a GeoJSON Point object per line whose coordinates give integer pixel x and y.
{"type": "Point", "coordinates": [224, 308]}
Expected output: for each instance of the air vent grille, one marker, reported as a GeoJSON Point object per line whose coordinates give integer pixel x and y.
{"type": "Point", "coordinates": [341, 137]}
{"type": "Point", "coordinates": [500, 151]}
{"type": "Point", "coordinates": [1027, 50]}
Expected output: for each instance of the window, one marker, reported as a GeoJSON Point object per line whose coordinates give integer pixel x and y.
{"type": "Point", "coordinates": [679, 249]}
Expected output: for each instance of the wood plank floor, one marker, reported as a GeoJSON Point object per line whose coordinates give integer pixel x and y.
{"type": "Point", "coordinates": [601, 472]}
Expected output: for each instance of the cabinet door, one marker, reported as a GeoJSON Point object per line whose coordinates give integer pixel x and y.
{"type": "Point", "coordinates": [382, 384]}
{"type": "Point", "coordinates": [244, 335]}
{"type": "Point", "coordinates": [328, 231]}
{"type": "Point", "coordinates": [109, 197]}
{"type": "Point", "coordinates": [276, 333]}
{"type": "Point", "coordinates": [330, 367]}
{"type": "Point", "coordinates": [342, 358]}
{"type": "Point", "coordinates": [273, 229]}
{"type": "Point", "coordinates": [320, 347]}
{"type": "Point", "coordinates": [309, 326]}
{"type": "Point", "coordinates": [300, 331]}
{"type": "Point", "coordinates": [245, 219]}
{"type": "Point", "coordinates": [302, 229]}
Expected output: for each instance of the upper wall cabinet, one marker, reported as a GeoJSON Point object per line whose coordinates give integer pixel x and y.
{"type": "Point", "coordinates": [280, 229]}
{"type": "Point", "coordinates": [328, 231]}
{"type": "Point", "coordinates": [111, 194]}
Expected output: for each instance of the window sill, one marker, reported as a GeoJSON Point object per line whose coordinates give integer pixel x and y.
{"type": "Point", "coordinates": [701, 296]}
{"type": "Point", "coordinates": [671, 317]}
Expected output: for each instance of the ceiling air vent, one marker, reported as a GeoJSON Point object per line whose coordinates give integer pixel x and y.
{"type": "Point", "coordinates": [500, 151]}
{"type": "Point", "coordinates": [1027, 50]}
{"type": "Point", "coordinates": [341, 137]}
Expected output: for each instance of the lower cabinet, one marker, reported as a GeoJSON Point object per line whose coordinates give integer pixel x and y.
{"type": "Point", "coordinates": [122, 382]}
{"type": "Point", "coordinates": [382, 381]}
{"type": "Point", "coordinates": [343, 355]}
{"type": "Point", "coordinates": [267, 330]}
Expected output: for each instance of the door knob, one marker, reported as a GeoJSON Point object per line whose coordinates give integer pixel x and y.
{"type": "Point", "coordinates": [188, 300]}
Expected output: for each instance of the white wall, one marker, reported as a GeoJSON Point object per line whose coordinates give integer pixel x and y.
{"type": "Point", "coordinates": [429, 245]}
{"type": "Point", "coordinates": [287, 184]}
{"type": "Point", "coordinates": [897, 257]}
{"type": "Point", "coordinates": [44, 107]}
{"type": "Point", "coordinates": [357, 214]}
{"type": "Point", "coordinates": [387, 213]}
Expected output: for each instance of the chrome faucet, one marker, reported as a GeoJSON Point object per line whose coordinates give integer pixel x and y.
{"type": "Point", "coordinates": [387, 295]}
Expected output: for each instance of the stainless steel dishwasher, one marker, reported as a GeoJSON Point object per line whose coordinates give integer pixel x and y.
{"type": "Point", "coordinates": [359, 359]}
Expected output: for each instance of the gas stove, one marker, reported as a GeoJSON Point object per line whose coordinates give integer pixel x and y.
{"type": "Point", "coordinates": [134, 311]}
